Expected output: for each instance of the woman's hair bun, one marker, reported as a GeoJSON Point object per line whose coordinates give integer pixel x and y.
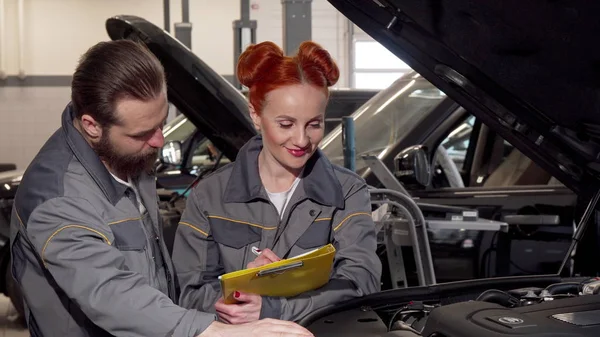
{"type": "Point", "coordinates": [256, 61]}
{"type": "Point", "coordinates": [311, 54]}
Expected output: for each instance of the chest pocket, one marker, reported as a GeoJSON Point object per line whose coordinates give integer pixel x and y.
{"type": "Point", "coordinates": [130, 239]}
{"type": "Point", "coordinates": [235, 238]}
{"type": "Point", "coordinates": [316, 235]}
{"type": "Point", "coordinates": [129, 234]}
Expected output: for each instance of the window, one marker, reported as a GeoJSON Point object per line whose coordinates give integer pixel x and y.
{"type": "Point", "coordinates": [386, 120]}
{"type": "Point", "coordinates": [378, 80]}
{"type": "Point", "coordinates": [496, 162]}
{"type": "Point", "coordinates": [457, 142]}
{"type": "Point", "coordinates": [179, 129]}
{"type": "Point", "coordinates": [205, 155]}
{"type": "Point", "coordinates": [372, 55]}
{"type": "Point", "coordinates": [375, 67]}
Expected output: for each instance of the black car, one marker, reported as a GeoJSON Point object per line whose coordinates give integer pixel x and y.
{"type": "Point", "coordinates": [526, 75]}
{"type": "Point", "coordinates": [474, 167]}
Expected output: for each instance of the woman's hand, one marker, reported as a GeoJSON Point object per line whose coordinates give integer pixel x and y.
{"type": "Point", "coordinates": [247, 310]}
{"type": "Point", "coordinates": [266, 256]}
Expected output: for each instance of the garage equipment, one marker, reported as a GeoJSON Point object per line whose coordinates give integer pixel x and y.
{"type": "Point", "coordinates": [524, 228]}
{"type": "Point", "coordinates": [183, 29]}
{"type": "Point", "coordinates": [348, 143]}
{"type": "Point", "coordinates": [406, 225]}
{"type": "Point", "coordinates": [244, 33]}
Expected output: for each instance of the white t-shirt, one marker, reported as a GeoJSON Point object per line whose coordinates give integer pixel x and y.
{"type": "Point", "coordinates": [128, 183]}
{"type": "Point", "coordinates": [281, 199]}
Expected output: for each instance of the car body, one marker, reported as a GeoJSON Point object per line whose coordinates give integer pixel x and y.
{"type": "Point", "coordinates": [7, 167]}
{"type": "Point", "coordinates": [507, 64]}
{"type": "Point", "coordinates": [413, 111]}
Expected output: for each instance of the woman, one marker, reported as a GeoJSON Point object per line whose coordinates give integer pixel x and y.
{"type": "Point", "coordinates": [281, 197]}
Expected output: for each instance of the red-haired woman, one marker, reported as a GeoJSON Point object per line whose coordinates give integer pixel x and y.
{"type": "Point", "coordinates": [281, 197]}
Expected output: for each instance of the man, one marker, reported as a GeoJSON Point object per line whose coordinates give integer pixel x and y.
{"type": "Point", "coordinates": [86, 238]}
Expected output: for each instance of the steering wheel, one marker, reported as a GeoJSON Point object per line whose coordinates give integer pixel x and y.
{"type": "Point", "coordinates": [449, 166]}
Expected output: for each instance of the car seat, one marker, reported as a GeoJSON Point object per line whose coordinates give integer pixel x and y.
{"type": "Point", "coordinates": [517, 169]}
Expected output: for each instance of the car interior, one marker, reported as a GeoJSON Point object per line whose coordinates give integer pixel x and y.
{"type": "Point", "coordinates": [494, 162]}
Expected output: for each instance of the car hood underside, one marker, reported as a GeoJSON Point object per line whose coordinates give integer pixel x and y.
{"type": "Point", "coordinates": [530, 70]}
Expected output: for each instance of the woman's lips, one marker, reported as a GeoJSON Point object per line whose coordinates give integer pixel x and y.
{"type": "Point", "coordinates": [296, 152]}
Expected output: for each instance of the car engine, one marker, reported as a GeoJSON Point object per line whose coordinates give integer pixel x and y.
{"type": "Point", "coordinates": [563, 309]}
{"type": "Point", "coordinates": [560, 309]}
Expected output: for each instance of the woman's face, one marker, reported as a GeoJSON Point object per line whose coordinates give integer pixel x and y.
{"type": "Point", "coordinates": [291, 123]}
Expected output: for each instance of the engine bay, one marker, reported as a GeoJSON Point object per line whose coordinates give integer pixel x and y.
{"type": "Point", "coordinates": [565, 307]}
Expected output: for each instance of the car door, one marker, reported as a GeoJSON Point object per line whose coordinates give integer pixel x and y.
{"type": "Point", "coordinates": [504, 185]}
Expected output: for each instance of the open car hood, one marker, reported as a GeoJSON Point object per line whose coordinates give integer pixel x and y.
{"type": "Point", "coordinates": [9, 182]}
{"type": "Point", "coordinates": [529, 70]}
{"type": "Point", "coordinates": [217, 109]}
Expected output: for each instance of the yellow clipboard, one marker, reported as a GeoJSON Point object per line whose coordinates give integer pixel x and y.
{"type": "Point", "coordinates": [285, 278]}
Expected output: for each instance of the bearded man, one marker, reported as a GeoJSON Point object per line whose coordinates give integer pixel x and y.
{"type": "Point", "coordinates": [86, 235]}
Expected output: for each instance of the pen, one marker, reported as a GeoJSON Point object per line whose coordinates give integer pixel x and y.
{"type": "Point", "coordinates": [255, 251]}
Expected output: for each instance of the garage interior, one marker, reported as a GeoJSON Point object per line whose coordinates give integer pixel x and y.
{"type": "Point", "coordinates": [461, 184]}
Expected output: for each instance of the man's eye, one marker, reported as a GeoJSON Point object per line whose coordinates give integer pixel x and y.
{"type": "Point", "coordinates": [143, 136]}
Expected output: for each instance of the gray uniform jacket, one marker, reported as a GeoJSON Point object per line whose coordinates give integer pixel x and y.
{"type": "Point", "coordinates": [88, 262]}
{"type": "Point", "coordinates": [229, 212]}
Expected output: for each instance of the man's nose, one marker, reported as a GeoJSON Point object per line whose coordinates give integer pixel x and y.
{"type": "Point", "coordinates": [157, 140]}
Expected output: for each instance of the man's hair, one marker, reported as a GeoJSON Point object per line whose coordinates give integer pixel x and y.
{"type": "Point", "coordinates": [113, 70]}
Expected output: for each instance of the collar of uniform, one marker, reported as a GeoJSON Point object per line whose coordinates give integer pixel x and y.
{"type": "Point", "coordinates": [245, 185]}
{"type": "Point", "coordinates": [89, 159]}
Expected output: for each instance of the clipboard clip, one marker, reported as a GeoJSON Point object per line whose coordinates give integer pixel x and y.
{"type": "Point", "coordinates": [279, 270]}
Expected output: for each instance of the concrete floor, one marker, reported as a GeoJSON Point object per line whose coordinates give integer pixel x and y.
{"type": "Point", "coordinates": [9, 327]}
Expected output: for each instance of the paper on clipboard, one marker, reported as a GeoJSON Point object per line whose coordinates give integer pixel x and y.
{"type": "Point", "coordinates": [283, 278]}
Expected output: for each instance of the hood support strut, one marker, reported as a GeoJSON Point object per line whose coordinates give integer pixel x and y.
{"type": "Point", "coordinates": [580, 230]}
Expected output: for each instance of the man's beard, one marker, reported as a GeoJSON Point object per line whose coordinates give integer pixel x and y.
{"type": "Point", "coordinates": [124, 165]}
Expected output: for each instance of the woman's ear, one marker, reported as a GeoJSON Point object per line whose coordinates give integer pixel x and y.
{"type": "Point", "coordinates": [255, 117]}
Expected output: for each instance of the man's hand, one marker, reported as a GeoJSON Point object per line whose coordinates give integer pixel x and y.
{"type": "Point", "coordinates": [266, 327]}
{"type": "Point", "coordinates": [248, 309]}
{"type": "Point", "coordinates": [266, 256]}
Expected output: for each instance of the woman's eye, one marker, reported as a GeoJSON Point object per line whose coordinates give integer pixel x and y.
{"type": "Point", "coordinates": [285, 125]}
{"type": "Point", "coordinates": [315, 125]}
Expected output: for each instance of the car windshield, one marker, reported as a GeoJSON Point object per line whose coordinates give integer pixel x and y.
{"type": "Point", "coordinates": [178, 129]}
{"type": "Point", "coordinates": [385, 119]}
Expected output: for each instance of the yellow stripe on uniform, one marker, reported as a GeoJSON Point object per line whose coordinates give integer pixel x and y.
{"type": "Point", "coordinates": [348, 217]}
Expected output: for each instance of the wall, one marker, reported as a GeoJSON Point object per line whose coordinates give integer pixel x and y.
{"type": "Point", "coordinates": [57, 32]}
{"type": "Point", "coordinates": [28, 116]}
{"type": "Point", "coordinates": [328, 29]}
